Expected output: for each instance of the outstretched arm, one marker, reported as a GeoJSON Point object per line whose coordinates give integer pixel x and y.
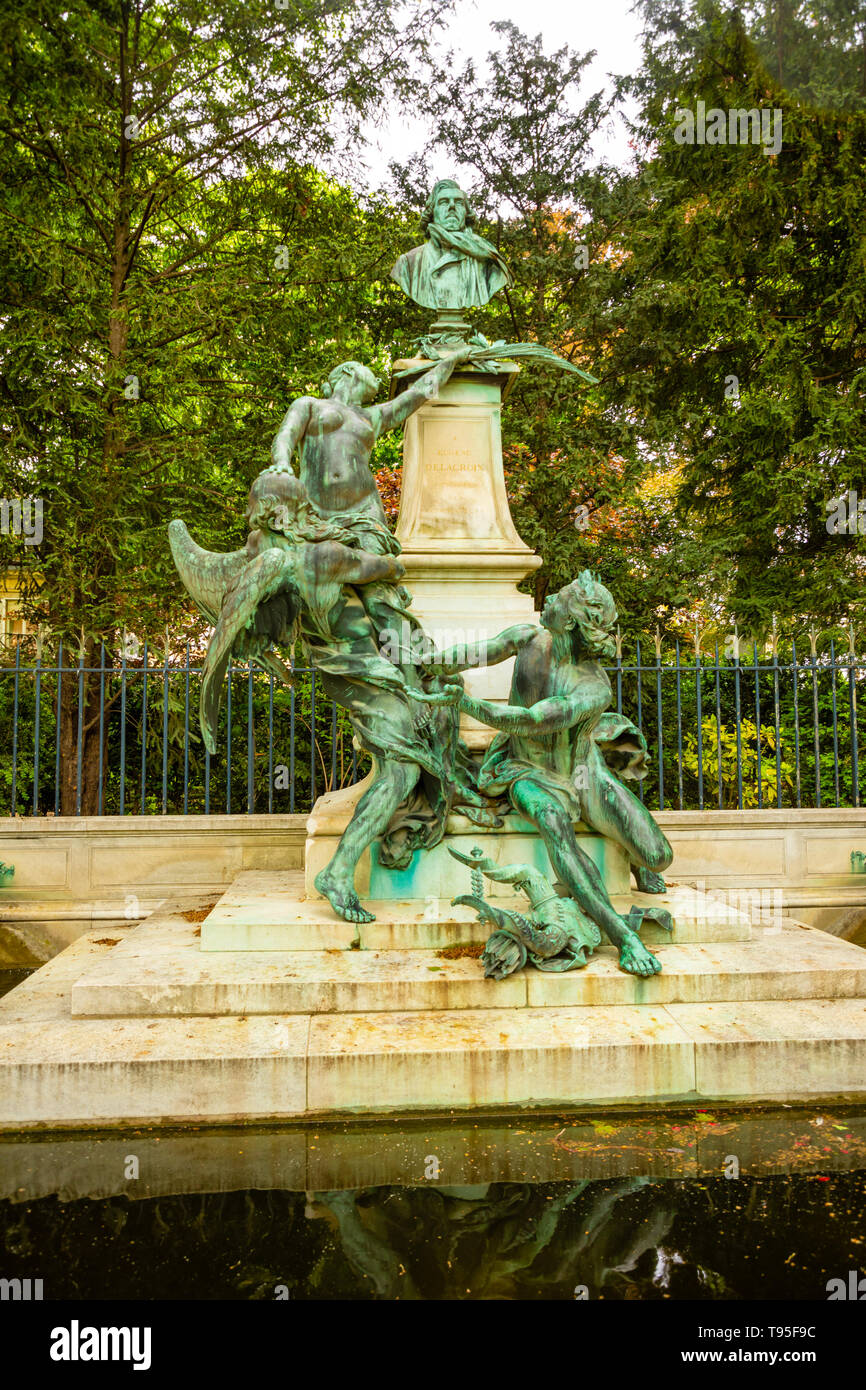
{"type": "Point", "coordinates": [291, 432]}
{"type": "Point", "coordinates": [335, 561]}
{"type": "Point", "coordinates": [545, 717]}
{"type": "Point", "coordinates": [488, 651]}
{"type": "Point", "coordinates": [393, 413]}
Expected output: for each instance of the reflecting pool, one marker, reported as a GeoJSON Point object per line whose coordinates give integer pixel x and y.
{"type": "Point", "coordinates": [711, 1204]}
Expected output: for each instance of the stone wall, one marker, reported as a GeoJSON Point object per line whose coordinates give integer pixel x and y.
{"type": "Point", "coordinates": [72, 873]}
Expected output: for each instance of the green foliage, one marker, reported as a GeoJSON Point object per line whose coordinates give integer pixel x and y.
{"type": "Point", "coordinates": [183, 253]}
{"type": "Point", "coordinates": [174, 268]}
{"type": "Point", "coordinates": [723, 750]}
{"type": "Point", "coordinates": [168, 243]}
{"type": "Point", "coordinates": [813, 49]}
{"type": "Point", "coordinates": [735, 313]}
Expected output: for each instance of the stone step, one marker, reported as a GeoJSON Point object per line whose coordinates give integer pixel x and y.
{"type": "Point", "coordinates": [264, 912]}
{"type": "Point", "coordinates": [159, 971]}
{"type": "Point", "coordinates": [65, 1072]}
{"type": "Point", "coordinates": [573, 1056]}
{"type": "Point", "coordinates": [58, 1071]}
{"type": "Point", "coordinates": [788, 1049]}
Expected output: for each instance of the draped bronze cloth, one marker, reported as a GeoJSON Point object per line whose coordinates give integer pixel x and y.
{"type": "Point", "coordinates": [620, 743]}
{"type": "Point", "coordinates": [452, 270]}
{"type": "Point", "coordinates": [371, 687]}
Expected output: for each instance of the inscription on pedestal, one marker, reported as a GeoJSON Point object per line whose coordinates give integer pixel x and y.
{"type": "Point", "coordinates": [457, 500]}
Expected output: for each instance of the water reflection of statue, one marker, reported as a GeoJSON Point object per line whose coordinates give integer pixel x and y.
{"type": "Point", "coordinates": [455, 268]}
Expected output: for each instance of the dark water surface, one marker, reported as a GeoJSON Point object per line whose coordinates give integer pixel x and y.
{"type": "Point", "coordinates": [10, 978]}
{"type": "Point", "coordinates": [553, 1207]}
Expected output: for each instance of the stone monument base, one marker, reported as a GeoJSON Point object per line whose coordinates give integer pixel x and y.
{"type": "Point", "coordinates": [315, 1017]}
{"type": "Point", "coordinates": [463, 556]}
{"type": "Point", "coordinates": [435, 873]}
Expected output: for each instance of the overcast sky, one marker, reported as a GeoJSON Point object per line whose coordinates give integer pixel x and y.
{"type": "Point", "coordinates": [604, 25]}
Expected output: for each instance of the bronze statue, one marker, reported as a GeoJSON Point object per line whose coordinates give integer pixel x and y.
{"type": "Point", "coordinates": [455, 268]}
{"type": "Point", "coordinates": [559, 756]}
{"type": "Point", "coordinates": [320, 570]}
{"type": "Point", "coordinates": [334, 438]}
{"type": "Point", "coordinates": [555, 935]}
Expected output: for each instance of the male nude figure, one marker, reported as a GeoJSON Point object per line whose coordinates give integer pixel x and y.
{"type": "Point", "coordinates": [551, 728]}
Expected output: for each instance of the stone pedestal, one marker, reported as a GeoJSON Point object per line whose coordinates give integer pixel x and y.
{"type": "Point", "coordinates": [463, 556]}
{"type": "Point", "coordinates": [289, 1012]}
{"type": "Point", "coordinates": [435, 873]}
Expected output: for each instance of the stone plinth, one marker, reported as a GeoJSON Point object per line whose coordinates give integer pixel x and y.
{"type": "Point", "coordinates": [791, 861]}
{"type": "Point", "coordinates": [270, 912]}
{"type": "Point", "coordinates": [435, 873]}
{"type": "Point", "coordinates": [463, 556]}
{"type": "Point", "coordinates": [159, 971]}
{"type": "Point", "coordinates": [152, 1032]}
{"type": "Point", "coordinates": [150, 1029]}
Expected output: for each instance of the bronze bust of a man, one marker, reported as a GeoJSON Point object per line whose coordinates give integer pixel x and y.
{"type": "Point", "coordinates": [455, 268]}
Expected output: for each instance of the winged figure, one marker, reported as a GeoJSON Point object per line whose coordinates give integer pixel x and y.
{"type": "Point", "coordinates": [303, 581]}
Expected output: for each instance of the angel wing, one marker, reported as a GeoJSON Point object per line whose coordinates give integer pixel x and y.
{"type": "Point", "coordinates": [250, 602]}
{"type": "Point", "coordinates": [259, 607]}
{"type": "Point", "coordinates": [206, 573]}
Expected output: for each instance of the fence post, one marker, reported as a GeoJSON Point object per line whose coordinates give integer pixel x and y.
{"type": "Point", "coordinates": [738, 717]}
{"type": "Point", "coordinates": [795, 673]}
{"type": "Point", "coordinates": [57, 728]}
{"type": "Point", "coordinates": [101, 725]}
{"type": "Point", "coordinates": [186, 733]}
{"type": "Point", "coordinates": [144, 726]}
{"type": "Point", "coordinates": [37, 719]}
{"type": "Point", "coordinates": [80, 741]}
{"type": "Point", "coordinates": [852, 700]}
{"type": "Point", "coordinates": [122, 788]}
{"type": "Point", "coordinates": [699, 711]}
{"type": "Point", "coordinates": [777, 712]}
{"type": "Point", "coordinates": [758, 722]}
{"type": "Point", "coordinates": [165, 680]}
{"type": "Point", "coordinates": [15, 725]}
{"type": "Point", "coordinates": [816, 737]}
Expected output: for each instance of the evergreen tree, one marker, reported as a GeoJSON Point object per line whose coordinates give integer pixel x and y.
{"type": "Point", "coordinates": [735, 309]}
{"type": "Point", "coordinates": [172, 270]}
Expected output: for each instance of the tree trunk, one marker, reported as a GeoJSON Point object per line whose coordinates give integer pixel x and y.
{"type": "Point", "coordinates": [79, 729]}
{"type": "Point", "coordinates": [79, 792]}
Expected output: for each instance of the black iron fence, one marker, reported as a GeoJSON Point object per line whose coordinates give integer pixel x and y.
{"type": "Point", "coordinates": [120, 736]}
